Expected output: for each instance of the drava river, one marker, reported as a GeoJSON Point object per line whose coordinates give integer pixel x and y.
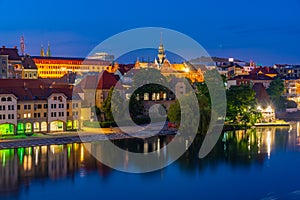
{"type": "Point", "coordinates": [261, 163]}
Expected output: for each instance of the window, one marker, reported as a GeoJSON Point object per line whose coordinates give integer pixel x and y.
{"type": "Point", "coordinates": [25, 116]}
{"type": "Point", "coordinates": [34, 115]}
{"type": "Point", "coordinates": [68, 105]}
{"type": "Point", "coordinates": [55, 98]}
{"type": "Point", "coordinates": [25, 107]}
{"type": "Point", "coordinates": [45, 114]}
{"type": "Point", "coordinates": [9, 99]}
{"type": "Point", "coordinates": [18, 107]}
{"type": "Point", "coordinates": [45, 105]}
{"type": "Point", "coordinates": [39, 106]}
{"type": "Point", "coordinates": [8, 116]}
{"type": "Point", "coordinates": [3, 99]}
{"type": "Point", "coordinates": [39, 115]}
{"type": "Point", "coordinates": [29, 107]}
{"type": "Point", "coordinates": [68, 114]}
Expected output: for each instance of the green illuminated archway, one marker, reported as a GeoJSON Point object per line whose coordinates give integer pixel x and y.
{"type": "Point", "coordinates": [6, 129]}
{"type": "Point", "coordinates": [20, 128]}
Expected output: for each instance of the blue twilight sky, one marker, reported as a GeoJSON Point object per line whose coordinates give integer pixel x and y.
{"type": "Point", "coordinates": [266, 31]}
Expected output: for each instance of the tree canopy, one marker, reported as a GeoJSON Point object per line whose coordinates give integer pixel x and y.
{"type": "Point", "coordinates": [241, 105]}
{"type": "Point", "coordinates": [275, 91]}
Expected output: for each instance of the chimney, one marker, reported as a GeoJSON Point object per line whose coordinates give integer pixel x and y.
{"type": "Point", "coordinates": [15, 47]}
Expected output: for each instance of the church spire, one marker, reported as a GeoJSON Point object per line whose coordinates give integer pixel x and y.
{"type": "Point", "coordinates": [161, 52]}
{"type": "Point", "coordinates": [42, 53]}
{"type": "Point", "coordinates": [22, 45]}
{"type": "Point", "coordinates": [48, 53]}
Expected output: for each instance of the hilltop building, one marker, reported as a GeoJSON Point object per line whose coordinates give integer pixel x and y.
{"type": "Point", "coordinates": [179, 70]}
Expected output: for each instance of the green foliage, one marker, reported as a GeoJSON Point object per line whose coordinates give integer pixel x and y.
{"type": "Point", "coordinates": [275, 91]}
{"type": "Point", "coordinates": [116, 107]}
{"type": "Point", "coordinates": [106, 106]}
{"type": "Point", "coordinates": [142, 79]}
{"type": "Point", "coordinates": [136, 107]}
{"type": "Point", "coordinates": [241, 105]}
{"type": "Point", "coordinates": [174, 113]}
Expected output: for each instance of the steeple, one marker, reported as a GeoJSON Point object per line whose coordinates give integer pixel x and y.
{"type": "Point", "coordinates": [22, 46]}
{"type": "Point", "coordinates": [161, 52]}
{"type": "Point", "coordinates": [42, 53]}
{"type": "Point", "coordinates": [48, 53]}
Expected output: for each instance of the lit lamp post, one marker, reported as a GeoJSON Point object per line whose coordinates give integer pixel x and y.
{"type": "Point", "coordinates": [267, 113]}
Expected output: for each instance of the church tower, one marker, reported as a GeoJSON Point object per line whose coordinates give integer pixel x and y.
{"type": "Point", "coordinates": [48, 53]}
{"type": "Point", "coordinates": [22, 46]}
{"type": "Point", "coordinates": [42, 53]}
{"type": "Point", "coordinates": [161, 52]}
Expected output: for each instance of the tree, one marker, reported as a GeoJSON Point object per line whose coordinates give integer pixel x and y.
{"type": "Point", "coordinates": [174, 112]}
{"type": "Point", "coordinates": [241, 105]}
{"type": "Point", "coordinates": [106, 106]}
{"type": "Point", "coordinates": [275, 91]}
{"type": "Point", "coordinates": [116, 107]}
{"type": "Point", "coordinates": [142, 84]}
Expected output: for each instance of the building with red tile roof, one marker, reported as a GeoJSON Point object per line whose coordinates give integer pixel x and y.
{"type": "Point", "coordinates": [40, 106]}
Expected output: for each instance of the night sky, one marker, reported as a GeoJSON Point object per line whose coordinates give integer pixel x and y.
{"type": "Point", "coordinates": [267, 32]}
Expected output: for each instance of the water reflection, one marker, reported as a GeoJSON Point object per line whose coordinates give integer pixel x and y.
{"type": "Point", "coordinates": [19, 167]}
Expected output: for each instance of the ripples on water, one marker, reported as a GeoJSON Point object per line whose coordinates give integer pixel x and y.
{"type": "Point", "coordinates": [253, 164]}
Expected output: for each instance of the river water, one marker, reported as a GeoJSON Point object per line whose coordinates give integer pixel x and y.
{"type": "Point", "coordinates": [261, 163]}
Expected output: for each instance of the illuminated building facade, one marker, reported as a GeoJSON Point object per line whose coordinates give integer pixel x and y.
{"type": "Point", "coordinates": [29, 106]}
{"type": "Point", "coordinates": [56, 67]}
{"type": "Point", "coordinates": [11, 63]}
{"type": "Point", "coordinates": [179, 70]}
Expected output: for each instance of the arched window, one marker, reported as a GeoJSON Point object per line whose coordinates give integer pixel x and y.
{"type": "Point", "coordinates": [9, 99]}
{"type": "Point", "coordinates": [36, 126]}
{"type": "Point", "coordinates": [44, 126]}
{"type": "Point", "coordinates": [3, 99]}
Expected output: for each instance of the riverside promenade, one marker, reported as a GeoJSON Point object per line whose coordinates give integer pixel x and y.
{"type": "Point", "coordinates": [84, 136]}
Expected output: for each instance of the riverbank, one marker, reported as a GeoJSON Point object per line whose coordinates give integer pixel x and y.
{"type": "Point", "coordinates": [84, 136]}
{"type": "Point", "coordinates": [288, 116]}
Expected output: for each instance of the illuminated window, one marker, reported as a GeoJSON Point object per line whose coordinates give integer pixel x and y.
{"type": "Point", "coordinates": [20, 128]}
{"type": "Point", "coordinates": [6, 129]}
{"type": "Point", "coordinates": [28, 128]}
{"type": "Point", "coordinates": [146, 96]}
{"type": "Point", "coordinates": [36, 126]}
